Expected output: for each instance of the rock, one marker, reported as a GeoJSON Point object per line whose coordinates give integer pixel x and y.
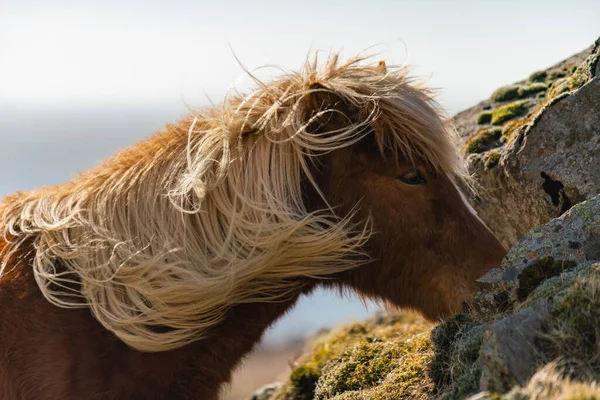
{"type": "Point", "coordinates": [544, 252]}
{"type": "Point", "coordinates": [265, 392]}
{"type": "Point", "coordinates": [546, 160]}
{"type": "Point", "coordinates": [508, 353]}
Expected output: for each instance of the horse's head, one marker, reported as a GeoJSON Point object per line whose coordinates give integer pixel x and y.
{"type": "Point", "coordinates": [427, 246]}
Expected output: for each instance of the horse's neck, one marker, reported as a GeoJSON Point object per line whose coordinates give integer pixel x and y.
{"type": "Point", "coordinates": [217, 356]}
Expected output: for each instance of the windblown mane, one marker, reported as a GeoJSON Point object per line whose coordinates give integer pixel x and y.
{"type": "Point", "coordinates": [163, 238]}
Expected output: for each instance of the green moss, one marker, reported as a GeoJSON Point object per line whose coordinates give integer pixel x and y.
{"type": "Point", "coordinates": [359, 356]}
{"type": "Point", "coordinates": [506, 93]}
{"type": "Point", "coordinates": [484, 139]}
{"type": "Point", "coordinates": [557, 74]}
{"type": "Point", "coordinates": [538, 76]}
{"type": "Point", "coordinates": [367, 365]}
{"type": "Point", "coordinates": [509, 111]}
{"type": "Point", "coordinates": [513, 92]}
{"type": "Point", "coordinates": [527, 90]}
{"type": "Point", "coordinates": [484, 117]}
{"type": "Point", "coordinates": [573, 77]}
{"type": "Point", "coordinates": [536, 273]}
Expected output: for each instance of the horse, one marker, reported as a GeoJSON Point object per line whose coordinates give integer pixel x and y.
{"type": "Point", "coordinates": [154, 274]}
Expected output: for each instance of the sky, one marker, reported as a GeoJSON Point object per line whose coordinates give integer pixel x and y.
{"type": "Point", "coordinates": [80, 79]}
{"type": "Point", "coordinates": [166, 52]}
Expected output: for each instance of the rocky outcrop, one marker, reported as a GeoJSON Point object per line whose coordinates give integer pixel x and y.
{"type": "Point", "coordinates": [534, 146]}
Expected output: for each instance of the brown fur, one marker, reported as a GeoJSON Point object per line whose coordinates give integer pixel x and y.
{"type": "Point", "coordinates": [425, 252]}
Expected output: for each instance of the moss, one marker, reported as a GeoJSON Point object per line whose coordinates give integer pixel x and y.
{"type": "Point", "coordinates": [491, 158]}
{"type": "Point", "coordinates": [442, 338]}
{"type": "Point", "coordinates": [573, 77]}
{"type": "Point", "coordinates": [513, 92]}
{"type": "Point", "coordinates": [509, 111]}
{"type": "Point", "coordinates": [536, 273]}
{"type": "Point", "coordinates": [506, 93]}
{"type": "Point", "coordinates": [541, 96]}
{"type": "Point", "coordinates": [484, 139]}
{"type": "Point", "coordinates": [396, 366]}
{"type": "Point", "coordinates": [466, 384]}
{"type": "Point", "coordinates": [303, 381]}
{"type": "Point", "coordinates": [574, 327]}
{"type": "Point", "coordinates": [560, 86]}
{"type": "Point", "coordinates": [527, 90]}
{"type": "Point", "coordinates": [484, 117]}
{"type": "Point", "coordinates": [551, 287]}
{"type": "Point", "coordinates": [557, 74]}
{"type": "Point", "coordinates": [511, 129]}
{"type": "Point", "coordinates": [358, 357]}
{"type": "Point", "coordinates": [538, 76]}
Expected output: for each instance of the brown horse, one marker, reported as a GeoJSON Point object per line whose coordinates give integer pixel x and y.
{"type": "Point", "coordinates": [153, 275]}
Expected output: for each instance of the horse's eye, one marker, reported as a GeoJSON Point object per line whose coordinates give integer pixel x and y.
{"type": "Point", "coordinates": [412, 177]}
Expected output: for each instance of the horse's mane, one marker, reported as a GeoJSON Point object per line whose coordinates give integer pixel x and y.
{"type": "Point", "coordinates": [163, 238]}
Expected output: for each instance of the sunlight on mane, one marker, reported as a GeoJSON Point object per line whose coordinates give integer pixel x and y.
{"type": "Point", "coordinates": [162, 239]}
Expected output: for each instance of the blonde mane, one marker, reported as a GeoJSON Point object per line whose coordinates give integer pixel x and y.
{"type": "Point", "coordinates": [162, 239]}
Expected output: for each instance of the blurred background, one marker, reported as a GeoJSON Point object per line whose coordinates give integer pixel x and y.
{"type": "Point", "coordinates": [81, 79]}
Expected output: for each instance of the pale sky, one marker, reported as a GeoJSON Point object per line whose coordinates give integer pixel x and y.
{"type": "Point", "coordinates": [80, 79]}
{"type": "Point", "coordinates": [168, 52]}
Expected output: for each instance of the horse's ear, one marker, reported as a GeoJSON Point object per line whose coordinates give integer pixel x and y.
{"type": "Point", "coordinates": [325, 109]}
{"type": "Point", "coordinates": [319, 97]}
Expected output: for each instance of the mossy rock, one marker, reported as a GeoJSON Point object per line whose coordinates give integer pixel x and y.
{"type": "Point", "coordinates": [540, 271]}
{"type": "Point", "coordinates": [362, 356]}
{"type": "Point", "coordinates": [574, 327]}
{"type": "Point", "coordinates": [397, 366]}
